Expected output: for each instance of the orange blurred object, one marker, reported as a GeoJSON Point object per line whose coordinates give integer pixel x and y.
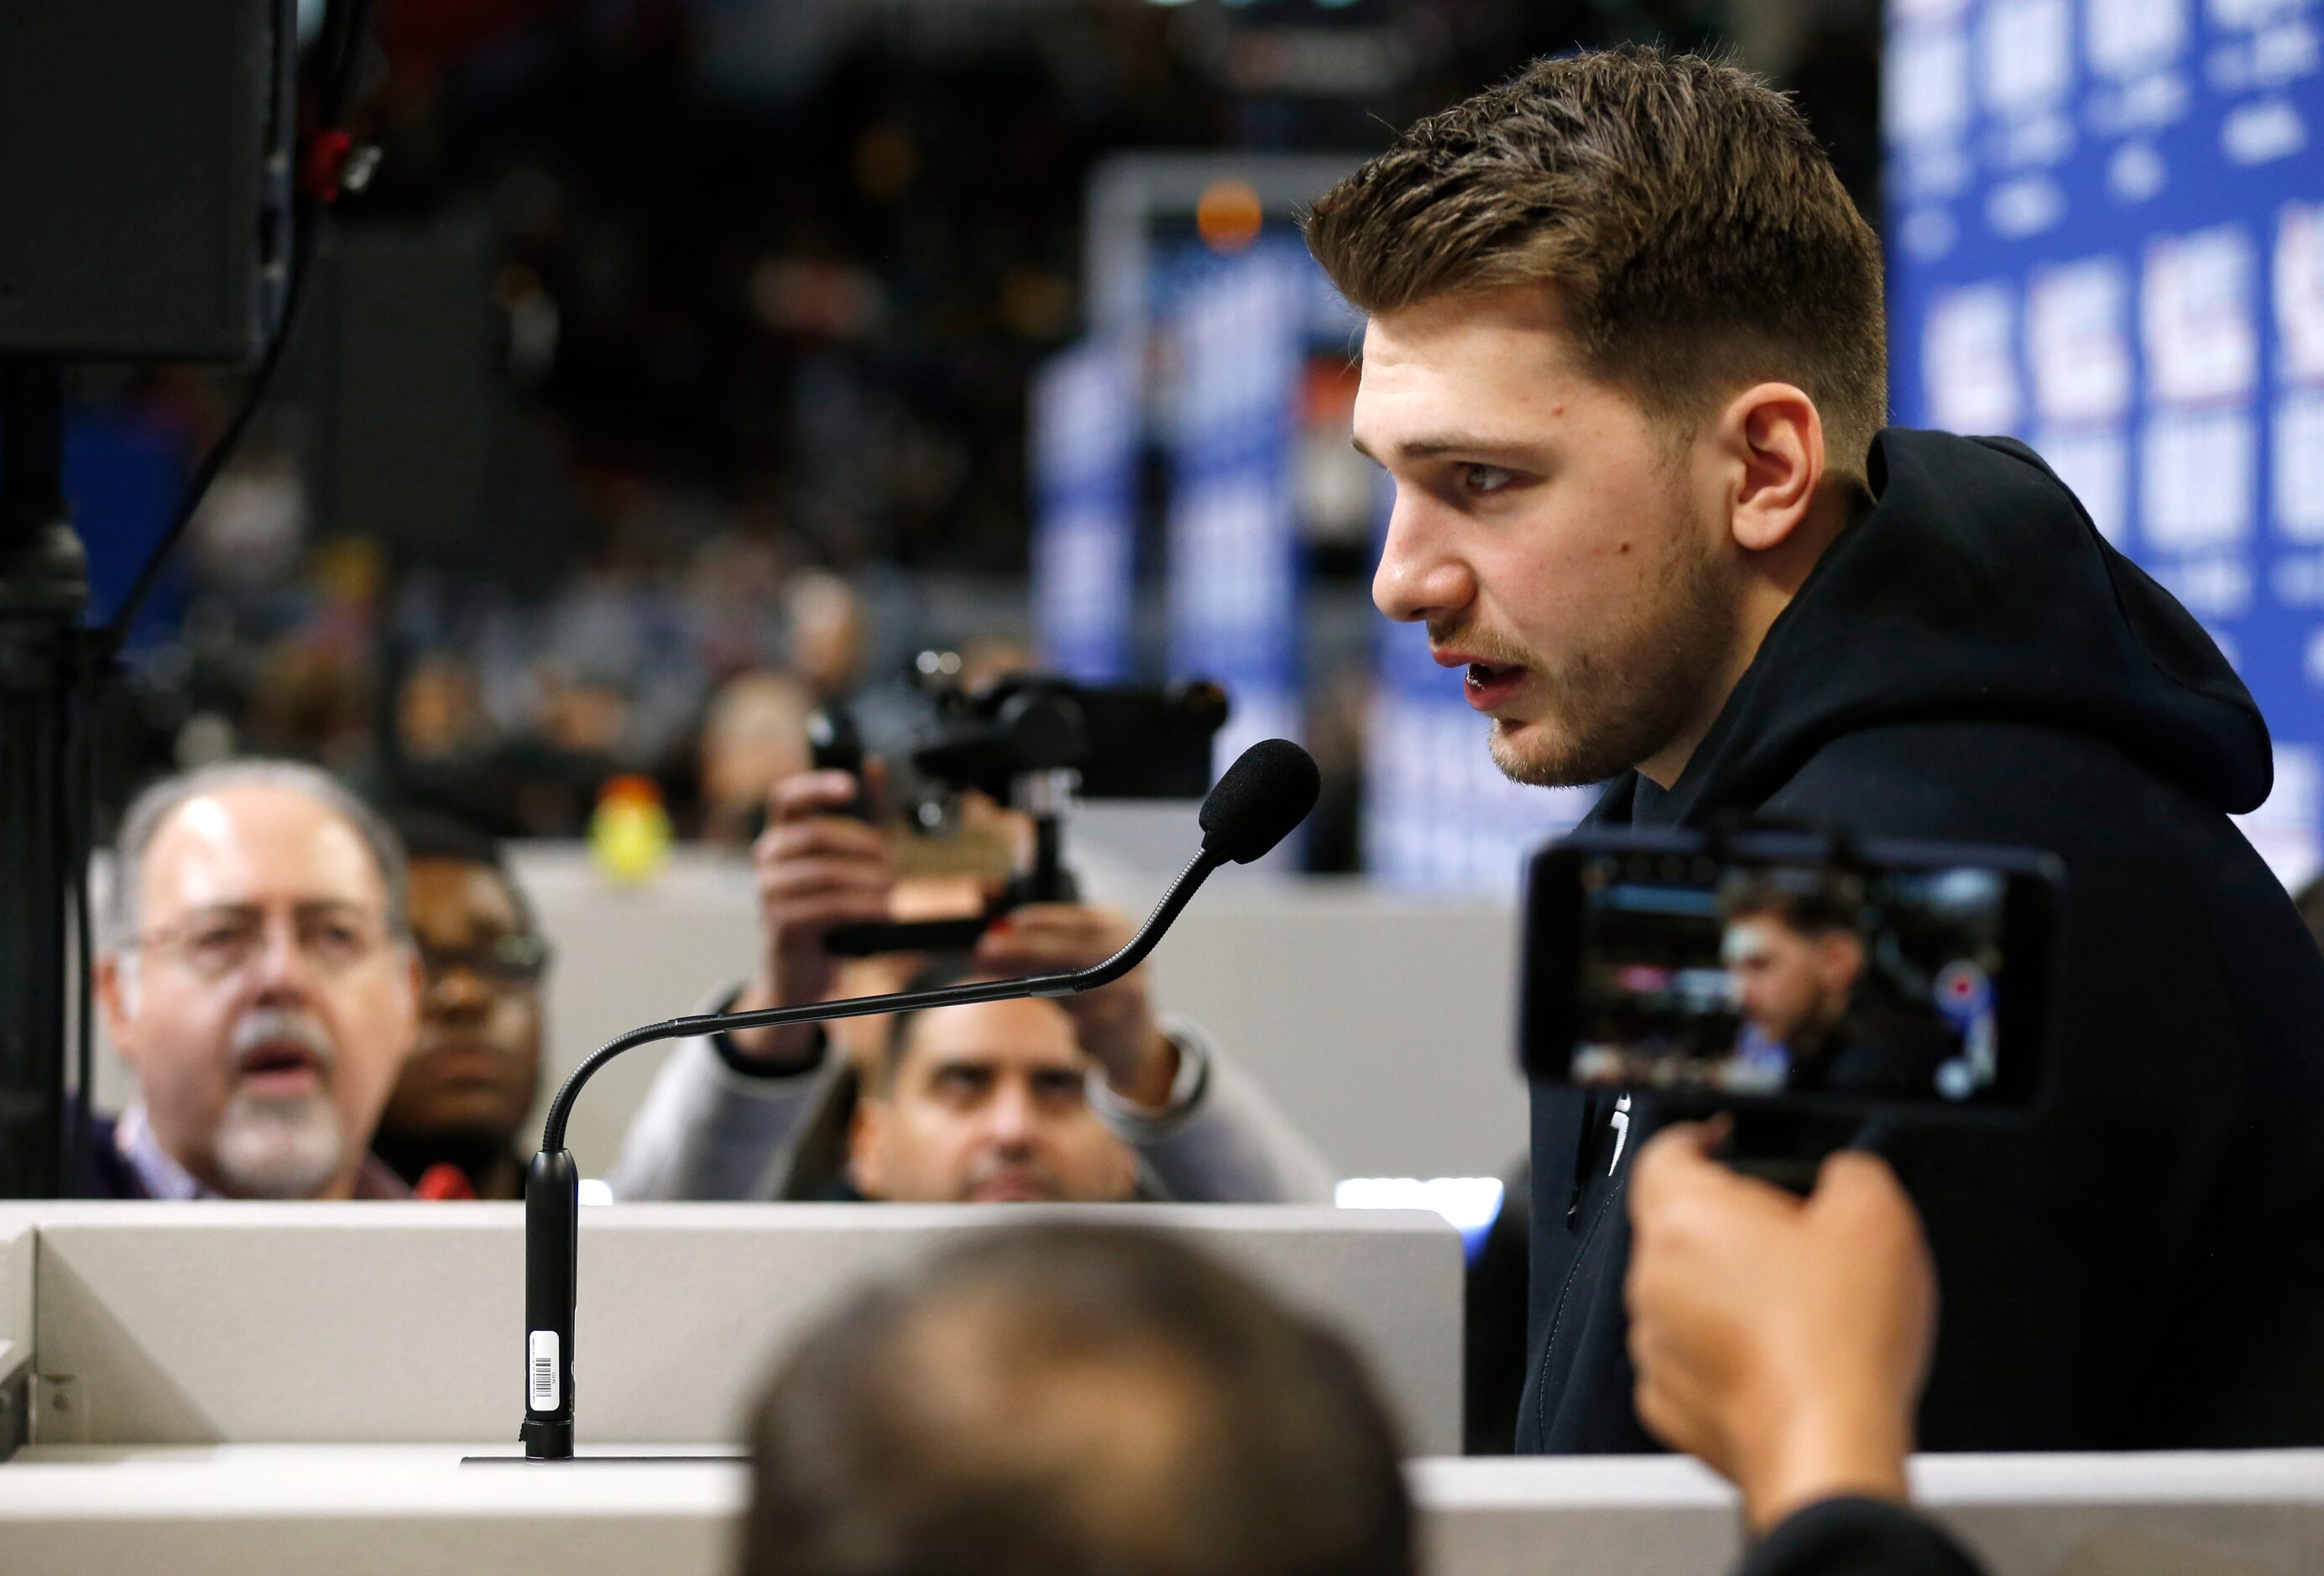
{"type": "Point", "coordinates": [1229, 216]}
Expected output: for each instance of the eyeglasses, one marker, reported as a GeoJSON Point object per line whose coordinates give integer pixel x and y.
{"type": "Point", "coordinates": [217, 943]}
{"type": "Point", "coordinates": [509, 963]}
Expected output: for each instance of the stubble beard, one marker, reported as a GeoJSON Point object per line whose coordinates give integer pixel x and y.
{"type": "Point", "coordinates": [1630, 694]}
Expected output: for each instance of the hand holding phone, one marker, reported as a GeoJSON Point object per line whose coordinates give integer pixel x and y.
{"type": "Point", "coordinates": [819, 871]}
{"type": "Point", "coordinates": [835, 744]}
{"type": "Point", "coordinates": [1782, 1341]}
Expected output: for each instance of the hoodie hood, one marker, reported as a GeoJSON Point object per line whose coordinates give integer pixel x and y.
{"type": "Point", "coordinates": [1976, 587]}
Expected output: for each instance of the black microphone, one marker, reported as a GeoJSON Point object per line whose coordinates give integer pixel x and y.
{"type": "Point", "coordinates": [1267, 792]}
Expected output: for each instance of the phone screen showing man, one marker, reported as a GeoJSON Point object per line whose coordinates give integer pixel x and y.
{"type": "Point", "coordinates": [1742, 979]}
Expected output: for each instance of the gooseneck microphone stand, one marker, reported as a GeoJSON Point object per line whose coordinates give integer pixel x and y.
{"type": "Point", "coordinates": [552, 1204]}
{"type": "Point", "coordinates": [1267, 792]}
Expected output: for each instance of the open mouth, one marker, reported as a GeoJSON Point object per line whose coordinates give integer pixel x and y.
{"type": "Point", "coordinates": [279, 1067]}
{"type": "Point", "coordinates": [1489, 684]}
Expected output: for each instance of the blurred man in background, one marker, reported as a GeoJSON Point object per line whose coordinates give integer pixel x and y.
{"type": "Point", "coordinates": [454, 1125]}
{"type": "Point", "coordinates": [829, 633]}
{"type": "Point", "coordinates": [991, 1104]}
{"type": "Point", "coordinates": [959, 1095]}
{"type": "Point", "coordinates": [258, 978]}
{"type": "Point", "coordinates": [1793, 962]}
{"type": "Point", "coordinates": [1067, 1400]}
{"type": "Point", "coordinates": [1815, 1011]}
{"type": "Point", "coordinates": [753, 735]}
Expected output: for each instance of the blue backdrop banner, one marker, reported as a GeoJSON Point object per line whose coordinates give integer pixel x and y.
{"type": "Point", "coordinates": [1238, 336]}
{"type": "Point", "coordinates": [1087, 419]}
{"type": "Point", "coordinates": [2105, 237]}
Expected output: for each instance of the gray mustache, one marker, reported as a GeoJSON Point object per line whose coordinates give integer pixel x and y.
{"type": "Point", "coordinates": [275, 1026]}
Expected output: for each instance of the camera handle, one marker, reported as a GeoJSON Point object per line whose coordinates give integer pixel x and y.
{"type": "Point", "coordinates": [1781, 1148]}
{"type": "Point", "coordinates": [1042, 795]}
{"type": "Point", "coordinates": [1785, 1148]}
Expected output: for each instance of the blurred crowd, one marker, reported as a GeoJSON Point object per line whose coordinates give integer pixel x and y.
{"type": "Point", "coordinates": [671, 373]}
{"type": "Point", "coordinates": [319, 1004]}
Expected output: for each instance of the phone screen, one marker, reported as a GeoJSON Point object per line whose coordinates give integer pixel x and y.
{"type": "Point", "coordinates": [1750, 978]}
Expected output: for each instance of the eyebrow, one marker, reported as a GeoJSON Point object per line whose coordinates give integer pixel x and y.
{"type": "Point", "coordinates": [989, 1066]}
{"type": "Point", "coordinates": [1422, 449]}
{"type": "Point", "coordinates": [297, 906]}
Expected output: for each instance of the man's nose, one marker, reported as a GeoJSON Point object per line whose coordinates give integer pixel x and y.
{"type": "Point", "coordinates": [1419, 579]}
{"type": "Point", "coordinates": [457, 992]}
{"type": "Point", "coordinates": [283, 968]}
{"type": "Point", "coordinates": [1011, 1119]}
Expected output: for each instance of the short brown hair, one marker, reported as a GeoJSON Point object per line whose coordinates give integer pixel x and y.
{"type": "Point", "coordinates": [1810, 905]}
{"type": "Point", "coordinates": [1075, 1400]}
{"type": "Point", "coordinates": [1689, 222]}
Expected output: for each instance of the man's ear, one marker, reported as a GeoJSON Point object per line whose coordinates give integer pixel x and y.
{"type": "Point", "coordinates": [867, 1143]}
{"type": "Point", "coordinates": [1774, 434]}
{"type": "Point", "coordinates": [113, 993]}
{"type": "Point", "coordinates": [1843, 958]}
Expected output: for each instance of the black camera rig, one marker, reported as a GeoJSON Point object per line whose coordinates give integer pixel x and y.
{"type": "Point", "coordinates": [1033, 742]}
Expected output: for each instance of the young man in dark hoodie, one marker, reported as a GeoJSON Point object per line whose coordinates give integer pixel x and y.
{"type": "Point", "coordinates": [1625, 365]}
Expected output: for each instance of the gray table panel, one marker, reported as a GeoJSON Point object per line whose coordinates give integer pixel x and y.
{"type": "Point", "coordinates": [246, 1323]}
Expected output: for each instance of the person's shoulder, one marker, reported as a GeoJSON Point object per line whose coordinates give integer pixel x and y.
{"type": "Point", "coordinates": [1983, 778]}
{"type": "Point", "coordinates": [104, 1173]}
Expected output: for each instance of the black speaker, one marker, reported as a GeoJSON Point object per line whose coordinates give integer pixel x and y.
{"type": "Point", "coordinates": [145, 176]}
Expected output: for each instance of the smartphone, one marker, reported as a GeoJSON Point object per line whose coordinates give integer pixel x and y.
{"type": "Point", "coordinates": [1789, 969]}
{"type": "Point", "coordinates": [834, 744]}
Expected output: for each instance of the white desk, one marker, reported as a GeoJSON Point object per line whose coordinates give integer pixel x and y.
{"type": "Point", "coordinates": [357, 1510]}
{"type": "Point", "coordinates": [218, 1323]}
{"type": "Point", "coordinates": [374, 1510]}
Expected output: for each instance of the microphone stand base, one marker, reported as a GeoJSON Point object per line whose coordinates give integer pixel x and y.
{"type": "Point", "coordinates": [728, 1458]}
{"type": "Point", "coordinates": [546, 1440]}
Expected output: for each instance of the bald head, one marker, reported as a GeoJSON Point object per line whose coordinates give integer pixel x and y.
{"type": "Point", "coordinates": [160, 806]}
{"type": "Point", "coordinates": [1064, 1400]}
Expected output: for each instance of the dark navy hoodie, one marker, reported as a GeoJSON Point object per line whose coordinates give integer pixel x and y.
{"type": "Point", "coordinates": [2142, 1264]}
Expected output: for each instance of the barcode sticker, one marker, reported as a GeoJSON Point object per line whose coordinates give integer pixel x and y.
{"type": "Point", "coordinates": [543, 1353]}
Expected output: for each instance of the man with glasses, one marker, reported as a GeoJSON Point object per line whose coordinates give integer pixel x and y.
{"type": "Point", "coordinates": [453, 1127]}
{"type": "Point", "coordinates": [258, 977]}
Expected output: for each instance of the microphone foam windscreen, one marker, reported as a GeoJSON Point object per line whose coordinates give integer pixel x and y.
{"type": "Point", "coordinates": [1267, 792]}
